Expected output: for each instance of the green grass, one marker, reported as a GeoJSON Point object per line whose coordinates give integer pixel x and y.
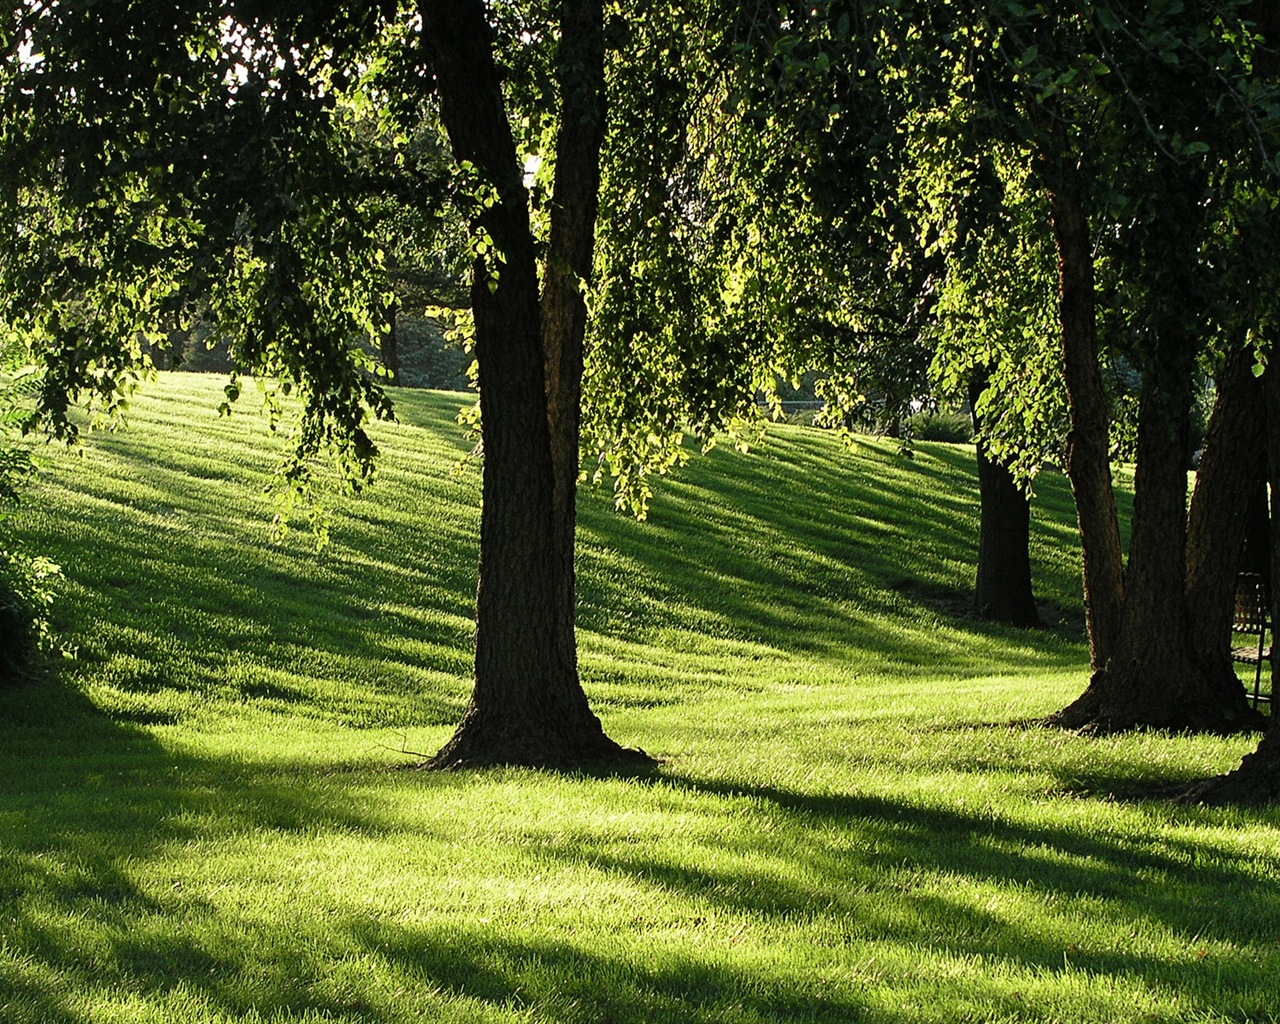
{"type": "Point", "coordinates": [201, 817]}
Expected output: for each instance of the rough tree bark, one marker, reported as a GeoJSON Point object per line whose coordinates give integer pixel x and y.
{"type": "Point", "coordinates": [527, 707]}
{"type": "Point", "coordinates": [1088, 458]}
{"type": "Point", "coordinates": [1257, 779]}
{"type": "Point", "coordinates": [1230, 472]}
{"type": "Point", "coordinates": [1257, 527]}
{"type": "Point", "coordinates": [1153, 677]}
{"type": "Point", "coordinates": [1002, 590]}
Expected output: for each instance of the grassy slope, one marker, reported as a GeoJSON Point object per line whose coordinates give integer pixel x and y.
{"type": "Point", "coordinates": [198, 822]}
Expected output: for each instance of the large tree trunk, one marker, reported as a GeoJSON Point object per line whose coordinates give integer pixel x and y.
{"type": "Point", "coordinates": [1002, 591]}
{"type": "Point", "coordinates": [1230, 471]}
{"type": "Point", "coordinates": [1257, 779]}
{"type": "Point", "coordinates": [528, 707]}
{"type": "Point", "coordinates": [1088, 456]}
{"type": "Point", "coordinates": [1153, 678]}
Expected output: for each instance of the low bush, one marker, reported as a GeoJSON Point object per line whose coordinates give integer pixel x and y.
{"type": "Point", "coordinates": [25, 598]}
{"type": "Point", "coordinates": [949, 427]}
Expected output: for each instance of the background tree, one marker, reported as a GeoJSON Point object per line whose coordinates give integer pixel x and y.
{"type": "Point", "coordinates": [822, 258]}
{"type": "Point", "coordinates": [1073, 94]}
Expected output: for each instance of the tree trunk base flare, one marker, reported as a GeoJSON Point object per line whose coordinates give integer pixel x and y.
{"type": "Point", "coordinates": [487, 739]}
{"type": "Point", "coordinates": [1124, 699]}
{"type": "Point", "coordinates": [1255, 782]}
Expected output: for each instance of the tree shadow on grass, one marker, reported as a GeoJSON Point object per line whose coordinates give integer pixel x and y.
{"type": "Point", "coordinates": [190, 620]}
{"type": "Point", "coordinates": [1053, 860]}
{"type": "Point", "coordinates": [803, 548]}
{"type": "Point", "coordinates": [842, 854]}
{"type": "Point", "coordinates": [93, 810]}
{"type": "Point", "coordinates": [862, 864]}
{"type": "Point", "coordinates": [90, 810]}
{"type": "Point", "coordinates": [811, 549]}
{"type": "Point", "coordinates": [560, 981]}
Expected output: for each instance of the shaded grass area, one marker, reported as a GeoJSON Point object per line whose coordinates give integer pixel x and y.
{"type": "Point", "coordinates": [199, 820]}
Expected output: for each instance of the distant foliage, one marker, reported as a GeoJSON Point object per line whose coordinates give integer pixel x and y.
{"type": "Point", "coordinates": [15, 458]}
{"type": "Point", "coordinates": [428, 360]}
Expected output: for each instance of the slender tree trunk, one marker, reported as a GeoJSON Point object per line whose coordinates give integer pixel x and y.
{"type": "Point", "coordinates": [1088, 456]}
{"type": "Point", "coordinates": [390, 348]}
{"type": "Point", "coordinates": [575, 203]}
{"type": "Point", "coordinates": [1002, 591]}
{"type": "Point", "coordinates": [527, 707]}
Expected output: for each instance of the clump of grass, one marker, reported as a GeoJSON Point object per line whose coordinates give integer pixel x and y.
{"type": "Point", "coordinates": [200, 820]}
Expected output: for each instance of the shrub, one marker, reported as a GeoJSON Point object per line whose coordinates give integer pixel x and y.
{"type": "Point", "coordinates": [25, 594]}
{"type": "Point", "coordinates": [951, 427]}
{"type": "Point", "coordinates": [25, 598]}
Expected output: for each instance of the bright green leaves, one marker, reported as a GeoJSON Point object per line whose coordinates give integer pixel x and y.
{"type": "Point", "coordinates": [473, 195]}
{"type": "Point", "coordinates": [185, 165]}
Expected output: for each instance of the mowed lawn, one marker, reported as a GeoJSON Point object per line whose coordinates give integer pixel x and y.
{"type": "Point", "coordinates": [211, 811]}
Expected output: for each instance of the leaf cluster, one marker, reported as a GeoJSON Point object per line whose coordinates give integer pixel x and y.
{"type": "Point", "coordinates": [160, 162]}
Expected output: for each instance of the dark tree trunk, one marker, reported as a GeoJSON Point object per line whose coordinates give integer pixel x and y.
{"type": "Point", "coordinates": [528, 707]}
{"type": "Point", "coordinates": [1230, 470]}
{"type": "Point", "coordinates": [1257, 779]}
{"type": "Point", "coordinates": [1153, 678]}
{"type": "Point", "coordinates": [1256, 557]}
{"type": "Point", "coordinates": [1002, 591]}
{"type": "Point", "coordinates": [1088, 456]}
{"type": "Point", "coordinates": [390, 347]}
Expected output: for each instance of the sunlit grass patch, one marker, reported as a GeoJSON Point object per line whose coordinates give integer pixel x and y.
{"type": "Point", "coordinates": [211, 813]}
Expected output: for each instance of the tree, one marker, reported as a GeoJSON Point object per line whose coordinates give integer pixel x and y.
{"type": "Point", "coordinates": [806, 228]}
{"type": "Point", "coordinates": [1146, 179]}
{"type": "Point", "coordinates": [1257, 779]}
{"type": "Point", "coordinates": [1002, 590]}
{"type": "Point", "coordinates": [119, 203]}
{"type": "Point", "coordinates": [528, 706]}
{"type": "Point", "coordinates": [1169, 287]}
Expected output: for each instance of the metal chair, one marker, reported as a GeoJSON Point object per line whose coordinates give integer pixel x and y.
{"type": "Point", "coordinates": [1253, 619]}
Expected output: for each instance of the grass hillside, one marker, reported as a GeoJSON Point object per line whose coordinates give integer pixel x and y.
{"type": "Point", "coordinates": [203, 816]}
